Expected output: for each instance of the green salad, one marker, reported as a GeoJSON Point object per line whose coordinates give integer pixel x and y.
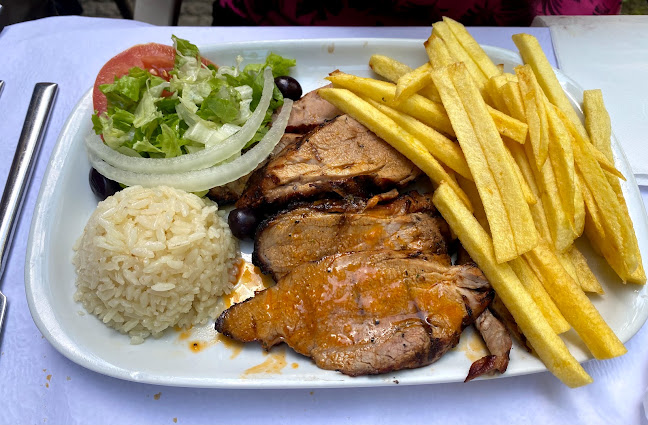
{"type": "Point", "coordinates": [198, 107]}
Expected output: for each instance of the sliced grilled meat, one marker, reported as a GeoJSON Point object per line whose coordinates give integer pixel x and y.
{"type": "Point", "coordinates": [340, 157]}
{"type": "Point", "coordinates": [499, 344]}
{"type": "Point", "coordinates": [309, 112]}
{"type": "Point", "coordinates": [313, 231]}
{"type": "Point", "coordinates": [231, 192]}
{"type": "Point", "coordinates": [365, 313]}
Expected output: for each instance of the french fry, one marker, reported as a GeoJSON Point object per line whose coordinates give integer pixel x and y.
{"type": "Point", "coordinates": [533, 55]}
{"type": "Point", "coordinates": [579, 206]}
{"type": "Point", "coordinates": [442, 148]}
{"type": "Point", "coordinates": [388, 68]}
{"type": "Point", "coordinates": [498, 160]}
{"type": "Point", "coordinates": [535, 112]}
{"type": "Point", "coordinates": [562, 159]}
{"type": "Point", "coordinates": [438, 52]}
{"type": "Point", "coordinates": [474, 50]}
{"type": "Point", "coordinates": [412, 82]}
{"type": "Point", "coordinates": [539, 294]}
{"type": "Point", "coordinates": [574, 304]}
{"type": "Point", "coordinates": [529, 196]}
{"type": "Point", "coordinates": [549, 347]}
{"type": "Point", "coordinates": [537, 209]}
{"type": "Point", "coordinates": [513, 99]}
{"type": "Point", "coordinates": [618, 234]}
{"type": "Point", "coordinates": [458, 53]}
{"type": "Point", "coordinates": [421, 108]}
{"type": "Point", "coordinates": [508, 126]}
{"type": "Point", "coordinates": [597, 122]}
{"type": "Point", "coordinates": [503, 238]}
{"type": "Point", "coordinates": [588, 282]}
{"type": "Point", "coordinates": [494, 93]}
{"type": "Point", "coordinates": [392, 70]}
{"type": "Point", "coordinates": [388, 130]}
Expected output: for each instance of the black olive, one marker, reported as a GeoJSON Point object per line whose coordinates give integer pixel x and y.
{"type": "Point", "coordinates": [243, 222]}
{"type": "Point", "coordinates": [101, 186]}
{"type": "Point", "coordinates": [289, 87]}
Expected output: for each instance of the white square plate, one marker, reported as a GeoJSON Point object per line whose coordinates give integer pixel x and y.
{"type": "Point", "coordinates": [65, 203]}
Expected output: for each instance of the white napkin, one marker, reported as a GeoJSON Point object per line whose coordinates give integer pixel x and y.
{"type": "Point", "coordinates": [611, 53]}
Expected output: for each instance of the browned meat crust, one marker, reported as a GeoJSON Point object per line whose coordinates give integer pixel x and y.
{"type": "Point", "coordinates": [313, 231]}
{"type": "Point", "coordinates": [340, 157]}
{"type": "Point", "coordinates": [498, 342]}
{"type": "Point", "coordinates": [365, 313]}
{"type": "Point", "coordinates": [231, 192]}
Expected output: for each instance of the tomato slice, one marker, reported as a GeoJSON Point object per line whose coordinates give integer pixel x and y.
{"type": "Point", "coordinates": [154, 57]}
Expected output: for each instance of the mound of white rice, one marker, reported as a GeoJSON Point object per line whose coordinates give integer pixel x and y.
{"type": "Point", "coordinates": [154, 258]}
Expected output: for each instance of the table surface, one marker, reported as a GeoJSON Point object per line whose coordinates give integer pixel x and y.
{"type": "Point", "coordinates": [39, 385]}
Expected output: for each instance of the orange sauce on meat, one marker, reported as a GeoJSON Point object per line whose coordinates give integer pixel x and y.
{"type": "Point", "coordinates": [274, 364]}
{"type": "Point", "coordinates": [250, 280]}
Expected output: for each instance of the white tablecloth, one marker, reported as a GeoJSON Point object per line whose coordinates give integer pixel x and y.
{"type": "Point", "coordinates": [38, 385]}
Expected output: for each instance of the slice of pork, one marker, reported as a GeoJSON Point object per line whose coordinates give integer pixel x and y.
{"type": "Point", "coordinates": [341, 157]}
{"type": "Point", "coordinates": [365, 312]}
{"type": "Point", "coordinates": [311, 232]}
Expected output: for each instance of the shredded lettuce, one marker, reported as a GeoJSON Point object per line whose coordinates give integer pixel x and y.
{"type": "Point", "coordinates": [199, 106]}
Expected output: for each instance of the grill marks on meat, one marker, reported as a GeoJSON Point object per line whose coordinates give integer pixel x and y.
{"type": "Point", "coordinates": [340, 157]}
{"type": "Point", "coordinates": [231, 192]}
{"type": "Point", "coordinates": [309, 233]}
{"type": "Point", "coordinates": [366, 312]}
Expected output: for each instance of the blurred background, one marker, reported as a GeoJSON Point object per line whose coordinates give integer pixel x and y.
{"type": "Point", "coordinates": [161, 12]}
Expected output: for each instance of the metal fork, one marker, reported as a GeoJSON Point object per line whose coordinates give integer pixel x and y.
{"type": "Point", "coordinates": [21, 170]}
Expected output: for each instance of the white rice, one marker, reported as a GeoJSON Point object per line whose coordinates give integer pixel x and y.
{"type": "Point", "coordinates": [154, 258]}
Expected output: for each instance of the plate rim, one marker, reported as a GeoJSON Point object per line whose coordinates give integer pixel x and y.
{"type": "Point", "coordinates": [39, 237]}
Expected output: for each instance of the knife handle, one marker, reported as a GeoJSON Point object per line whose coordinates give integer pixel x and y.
{"type": "Point", "coordinates": [22, 165]}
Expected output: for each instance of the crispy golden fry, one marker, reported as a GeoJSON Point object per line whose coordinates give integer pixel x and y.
{"type": "Point", "coordinates": [509, 126]}
{"type": "Point", "coordinates": [549, 347]}
{"type": "Point", "coordinates": [474, 50]}
{"type": "Point", "coordinates": [438, 52]}
{"type": "Point", "coordinates": [533, 55]}
{"type": "Point", "coordinates": [593, 213]}
{"type": "Point", "coordinates": [537, 209]}
{"type": "Point", "coordinates": [491, 150]}
{"type": "Point", "coordinates": [417, 106]}
{"type": "Point", "coordinates": [388, 68]}
{"type": "Point", "coordinates": [389, 131]}
{"type": "Point", "coordinates": [412, 82]}
{"type": "Point", "coordinates": [421, 108]}
{"type": "Point", "coordinates": [392, 70]}
{"type": "Point", "coordinates": [559, 224]}
{"type": "Point", "coordinates": [495, 95]}
{"type": "Point", "coordinates": [490, 195]}
{"type": "Point", "coordinates": [597, 122]}
{"type": "Point", "coordinates": [562, 159]}
{"type": "Point", "coordinates": [535, 112]}
{"type": "Point", "coordinates": [574, 304]}
{"type": "Point", "coordinates": [529, 196]}
{"type": "Point", "coordinates": [513, 99]}
{"type": "Point", "coordinates": [579, 206]}
{"type": "Point", "coordinates": [618, 246]}
{"type": "Point", "coordinates": [539, 294]}
{"type": "Point", "coordinates": [458, 53]}
{"type": "Point", "coordinates": [442, 148]}
{"type": "Point", "coordinates": [588, 282]}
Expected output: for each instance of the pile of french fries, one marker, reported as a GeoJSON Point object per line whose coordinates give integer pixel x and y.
{"type": "Point", "coordinates": [519, 178]}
